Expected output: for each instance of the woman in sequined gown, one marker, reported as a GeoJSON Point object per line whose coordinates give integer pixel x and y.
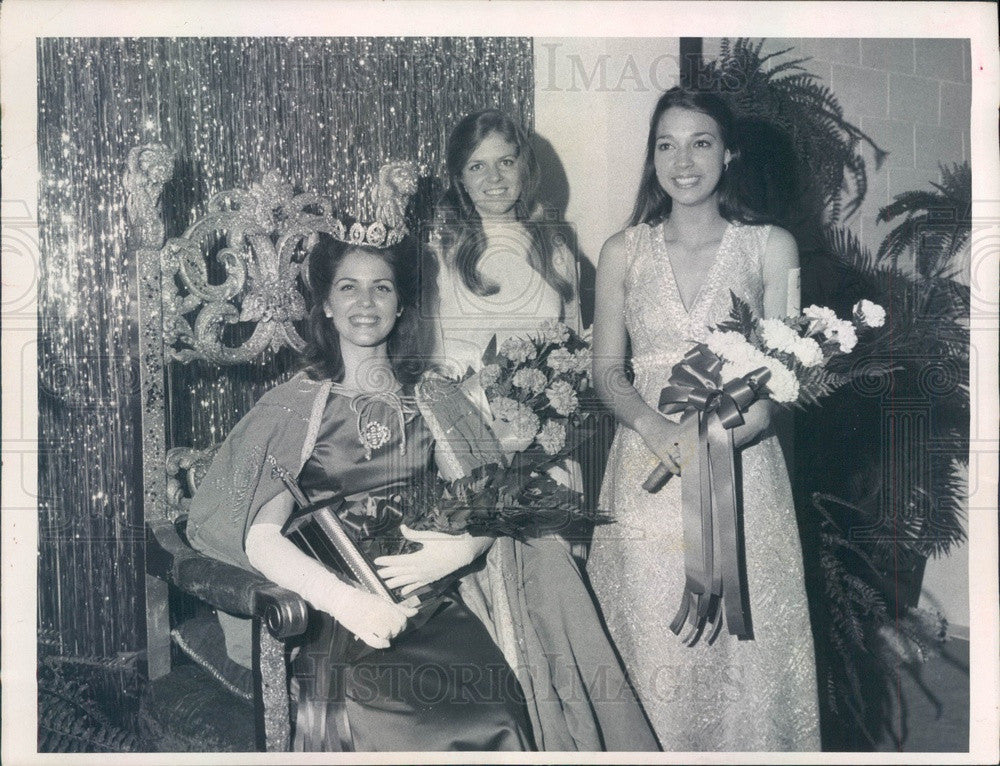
{"type": "Point", "coordinates": [661, 284]}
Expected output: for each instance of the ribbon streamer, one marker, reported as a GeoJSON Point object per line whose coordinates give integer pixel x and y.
{"type": "Point", "coordinates": [712, 566]}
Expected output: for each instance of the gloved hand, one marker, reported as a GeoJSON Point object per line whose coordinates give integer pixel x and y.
{"type": "Point", "coordinates": [440, 555]}
{"type": "Point", "coordinates": [371, 618]}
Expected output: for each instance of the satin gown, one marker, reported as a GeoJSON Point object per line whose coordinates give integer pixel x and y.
{"type": "Point", "coordinates": [441, 686]}
{"type": "Point", "coordinates": [733, 695]}
{"type": "Point", "coordinates": [585, 681]}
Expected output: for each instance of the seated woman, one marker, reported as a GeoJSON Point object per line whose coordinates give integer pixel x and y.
{"type": "Point", "coordinates": [348, 426]}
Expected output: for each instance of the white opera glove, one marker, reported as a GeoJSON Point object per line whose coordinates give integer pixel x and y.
{"type": "Point", "coordinates": [371, 618]}
{"type": "Point", "coordinates": [440, 554]}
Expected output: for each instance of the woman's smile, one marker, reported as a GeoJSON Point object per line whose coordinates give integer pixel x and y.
{"type": "Point", "coordinates": [492, 177]}
{"type": "Point", "coordinates": [363, 301]}
{"type": "Point", "coordinates": [690, 157]}
{"type": "Point", "coordinates": [686, 182]}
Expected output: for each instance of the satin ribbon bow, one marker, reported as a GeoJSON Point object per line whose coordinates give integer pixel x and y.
{"type": "Point", "coordinates": [712, 562]}
{"type": "Point", "coordinates": [369, 520]}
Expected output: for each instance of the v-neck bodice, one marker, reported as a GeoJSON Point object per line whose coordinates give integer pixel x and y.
{"type": "Point", "coordinates": [660, 327]}
{"type": "Point", "coordinates": [659, 233]}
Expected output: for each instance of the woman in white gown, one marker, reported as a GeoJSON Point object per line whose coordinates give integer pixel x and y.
{"type": "Point", "coordinates": [491, 270]}
{"type": "Point", "coordinates": [499, 270]}
{"type": "Point", "coordinates": [661, 284]}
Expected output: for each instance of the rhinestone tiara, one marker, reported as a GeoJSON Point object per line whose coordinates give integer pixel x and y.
{"type": "Point", "coordinates": [397, 182]}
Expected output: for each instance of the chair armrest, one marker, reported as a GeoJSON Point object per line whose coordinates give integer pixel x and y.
{"type": "Point", "coordinates": [222, 585]}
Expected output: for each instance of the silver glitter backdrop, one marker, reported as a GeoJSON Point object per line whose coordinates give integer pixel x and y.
{"type": "Point", "coordinates": [325, 113]}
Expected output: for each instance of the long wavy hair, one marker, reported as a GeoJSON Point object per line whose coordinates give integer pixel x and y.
{"type": "Point", "coordinates": [322, 359]}
{"type": "Point", "coordinates": [653, 204]}
{"type": "Point", "coordinates": [459, 222]}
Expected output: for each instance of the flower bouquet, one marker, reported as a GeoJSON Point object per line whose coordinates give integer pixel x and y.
{"type": "Point", "coordinates": [489, 483]}
{"type": "Point", "coordinates": [499, 431]}
{"type": "Point", "coordinates": [787, 360]}
{"type": "Point", "coordinates": [534, 386]}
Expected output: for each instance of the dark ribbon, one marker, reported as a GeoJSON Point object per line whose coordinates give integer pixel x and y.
{"type": "Point", "coordinates": [712, 564]}
{"type": "Point", "coordinates": [365, 526]}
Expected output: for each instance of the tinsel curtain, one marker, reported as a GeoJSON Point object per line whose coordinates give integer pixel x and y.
{"type": "Point", "coordinates": [325, 113]}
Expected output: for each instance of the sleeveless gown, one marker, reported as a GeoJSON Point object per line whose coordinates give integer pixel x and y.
{"type": "Point", "coordinates": [441, 686]}
{"type": "Point", "coordinates": [732, 695]}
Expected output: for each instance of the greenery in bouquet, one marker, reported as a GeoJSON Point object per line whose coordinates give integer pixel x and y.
{"type": "Point", "coordinates": [519, 500]}
{"type": "Point", "coordinates": [804, 354]}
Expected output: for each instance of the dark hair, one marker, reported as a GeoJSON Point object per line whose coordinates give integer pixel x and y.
{"type": "Point", "coordinates": [406, 346]}
{"type": "Point", "coordinates": [461, 226]}
{"type": "Point", "coordinates": [652, 203]}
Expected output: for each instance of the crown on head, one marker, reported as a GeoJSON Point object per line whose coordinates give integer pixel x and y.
{"type": "Point", "coordinates": [397, 182]}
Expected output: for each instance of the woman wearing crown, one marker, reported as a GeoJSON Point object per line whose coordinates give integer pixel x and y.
{"type": "Point", "coordinates": [348, 425]}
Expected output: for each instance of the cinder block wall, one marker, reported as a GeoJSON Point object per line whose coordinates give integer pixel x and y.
{"type": "Point", "coordinates": [912, 97]}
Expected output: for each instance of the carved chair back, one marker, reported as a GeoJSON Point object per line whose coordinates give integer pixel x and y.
{"type": "Point", "coordinates": [217, 312]}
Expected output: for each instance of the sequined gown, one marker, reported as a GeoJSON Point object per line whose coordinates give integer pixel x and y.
{"type": "Point", "coordinates": [732, 695]}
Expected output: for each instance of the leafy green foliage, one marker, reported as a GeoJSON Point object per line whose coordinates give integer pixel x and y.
{"type": "Point", "coordinates": [70, 720]}
{"type": "Point", "coordinates": [832, 175]}
{"type": "Point", "coordinates": [893, 515]}
{"type": "Point", "coordinates": [936, 224]}
{"type": "Point", "coordinates": [863, 529]}
{"type": "Point", "coordinates": [815, 383]}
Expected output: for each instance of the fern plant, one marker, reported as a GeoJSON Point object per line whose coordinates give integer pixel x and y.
{"type": "Point", "coordinates": [936, 226]}
{"type": "Point", "coordinates": [859, 533]}
{"type": "Point", "coordinates": [793, 126]}
{"type": "Point", "coordinates": [880, 517]}
{"type": "Point", "coordinates": [70, 721]}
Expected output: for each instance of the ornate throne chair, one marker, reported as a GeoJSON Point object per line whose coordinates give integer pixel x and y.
{"type": "Point", "coordinates": [217, 308]}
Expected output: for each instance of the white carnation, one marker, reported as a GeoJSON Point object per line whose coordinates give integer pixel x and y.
{"type": "Point", "coordinates": [728, 344]}
{"type": "Point", "coordinates": [582, 360]}
{"type": "Point", "coordinates": [518, 350]}
{"type": "Point", "coordinates": [525, 423]}
{"type": "Point", "coordinates": [869, 314]}
{"type": "Point", "coordinates": [561, 360]}
{"type": "Point", "coordinates": [808, 352]}
{"type": "Point", "coordinates": [822, 314]}
{"type": "Point", "coordinates": [504, 408]}
{"type": "Point", "coordinates": [562, 397]}
{"type": "Point", "coordinates": [844, 334]}
{"type": "Point", "coordinates": [825, 321]}
{"type": "Point", "coordinates": [778, 336]}
{"type": "Point", "coordinates": [530, 380]}
{"type": "Point", "coordinates": [517, 429]}
{"type": "Point", "coordinates": [782, 385]}
{"type": "Point", "coordinates": [554, 332]}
